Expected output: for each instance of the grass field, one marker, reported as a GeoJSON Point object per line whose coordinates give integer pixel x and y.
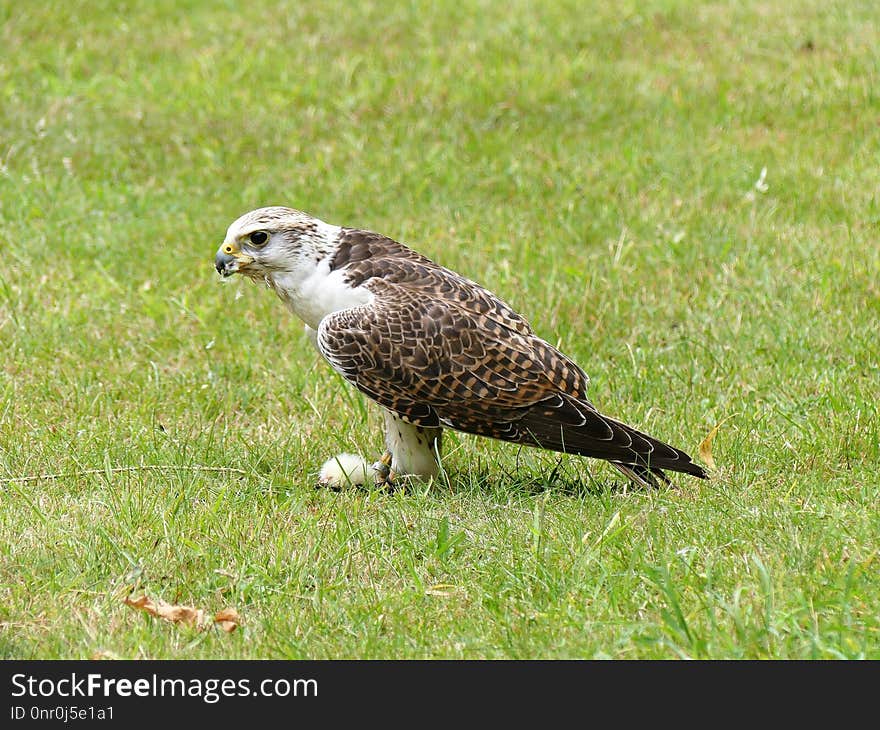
{"type": "Point", "coordinates": [684, 196]}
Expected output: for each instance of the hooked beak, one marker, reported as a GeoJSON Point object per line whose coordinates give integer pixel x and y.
{"type": "Point", "coordinates": [229, 260]}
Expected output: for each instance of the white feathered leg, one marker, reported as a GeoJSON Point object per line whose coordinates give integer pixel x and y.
{"type": "Point", "coordinates": [414, 450]}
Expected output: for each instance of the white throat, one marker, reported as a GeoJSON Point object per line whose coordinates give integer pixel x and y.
{"type": "Point", "coordinates": [312, 290]}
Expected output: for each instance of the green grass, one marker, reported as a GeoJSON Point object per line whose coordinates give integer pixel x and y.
{"type": "Point", "coordinates": [594, 164]}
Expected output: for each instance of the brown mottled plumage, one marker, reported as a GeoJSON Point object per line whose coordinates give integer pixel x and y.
{"type": "Point", "coordinates": [432, 347]}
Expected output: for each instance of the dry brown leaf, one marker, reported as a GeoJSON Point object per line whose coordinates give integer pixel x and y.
{"type": "Point", "coordinates": [103, 654]}
{"type": "Point", "coordinates": [706, 448]}
{"type": "Point", "coordinates": [138, 603]}
{"type": "Point", "coordinates": [706, 444]}
{"type": "Point", "coordinates": [228, 619]}
{"type": "Point", "coordinates": [188, 615]}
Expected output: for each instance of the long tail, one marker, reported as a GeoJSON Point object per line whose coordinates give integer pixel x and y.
{"type": "Point", "coordinates": [574, 426]}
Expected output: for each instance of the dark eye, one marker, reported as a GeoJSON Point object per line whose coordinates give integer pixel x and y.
{"type": "Point", "coordinates": [258, 238]}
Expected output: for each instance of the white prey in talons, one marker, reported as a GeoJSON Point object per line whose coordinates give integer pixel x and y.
{"type": "Point", "coordinates": [345, 470]}
{"type": "Point", "coordinates": [412, 454]}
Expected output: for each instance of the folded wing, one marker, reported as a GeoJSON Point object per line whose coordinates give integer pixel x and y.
{"type": "Point", "coordinates": [441, 351]}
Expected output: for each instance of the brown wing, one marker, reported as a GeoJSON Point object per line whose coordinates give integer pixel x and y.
{"type": "Point", "coordinates": [441, 351]}
{"type": "Point", "coordinates": [370, 257]}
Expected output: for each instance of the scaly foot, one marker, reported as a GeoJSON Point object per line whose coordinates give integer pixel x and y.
{"type": "Point", "coordinates": [382, 468]}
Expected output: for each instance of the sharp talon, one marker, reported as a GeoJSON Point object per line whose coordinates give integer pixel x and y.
{"type": "Point", "coordinates": [382, 468]}
{"type": "Point", "coordinates": [385, 477]}
{"type": "Point", "coordinates": [386, 481]}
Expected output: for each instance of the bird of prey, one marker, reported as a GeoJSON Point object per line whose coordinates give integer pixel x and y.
{"type": "Point", "coordinates": [433, 348]}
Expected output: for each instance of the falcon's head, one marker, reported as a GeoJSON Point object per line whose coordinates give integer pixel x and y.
{"type": "Point", "coordinates": [268, 241]}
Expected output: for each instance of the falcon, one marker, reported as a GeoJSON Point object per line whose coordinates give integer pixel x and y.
{"type": "Point", "coordinates": [433, 348]}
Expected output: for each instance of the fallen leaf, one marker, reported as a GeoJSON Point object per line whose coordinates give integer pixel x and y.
{"type": "Point", "coordinates": [228, 619]}
{"type": "Point", "coordinates": [103, 654]}
{"type": "Point", "coordinates": [188, 615]}
{"type": "Point", "coordinates": [706, 444]}
{"type": "Point", "coordinates": [706, 448]}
